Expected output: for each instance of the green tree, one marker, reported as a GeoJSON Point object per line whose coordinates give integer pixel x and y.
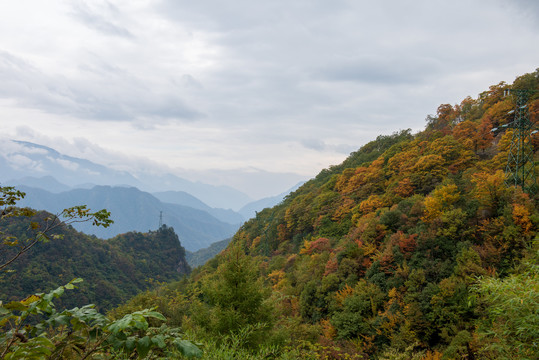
{"type": "Point", "coordinates": [359, 312]}
{"type": "Point", "coordinates": [236, 297]}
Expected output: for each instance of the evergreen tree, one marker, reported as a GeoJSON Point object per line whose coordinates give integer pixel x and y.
{"type": "Point", "coordinates": [237, 297]}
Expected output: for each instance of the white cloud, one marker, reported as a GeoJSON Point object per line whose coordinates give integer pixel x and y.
{"type": "Point", "coordinates": [21, 162]}
{"type": "Point", "coordinates": [102, 17]}
{"type": "Point", "coordinates": [70, 165]}
{"type": "Point", "coordinates": [314, 144]}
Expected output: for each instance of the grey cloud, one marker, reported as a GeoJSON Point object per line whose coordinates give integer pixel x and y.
{"type": "Point", "coordinates": [96, 21]}
{"type": "Point", "coordinates": [526, 10]}
{"type": "Point", "coordinates": [11, 63]}
{"type": "Point", "coordinates": [529, 6]}
{"type": "Point", "coordinates": [219, 15]}
{"type": "Point", "coordinates": [128, 107]}
{"type": "Point", "coordinates": [382, 69]}
{"type": "Point", "coordinates": [170, 107]}
{"type": "Point", "coordinates": [99, 67]}
{"type": "Point", "coordinates": [24, 83]}
{"type": "Point", "coordinates": [111, 94]}
{"type": "Point", "coordinates": [188, 81]}
{"type": "Point", "coordinates": [345, 148]}
{"type": "Point", "coordinates": [230, 16]}
{"type": "Point", "coordinates": [320, 145]}
{"type": "Point", "coordinates": [16, 73]}
{"type": "Point", "coordinates": [314, 144]}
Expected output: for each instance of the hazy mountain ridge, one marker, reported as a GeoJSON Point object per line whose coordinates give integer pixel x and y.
{"type": "Point", "coordinates": [24, 160]}
{"type": "Point", "coordinates": [183, 198]}
{"type": "Point", "coordinates": [133, 210]}
{"type": "Point", "coordinates": [198, 224]}
{"type": "Point", "coordinates": [48, 183]}
{"type": "Point", "coordinates": [249, 210]}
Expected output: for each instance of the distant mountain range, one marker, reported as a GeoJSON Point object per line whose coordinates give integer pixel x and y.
{"type": "Point", "coordinates": [192, 209]}
{"type": "Point", "coordinates": [185, 199]}
{"type": "Point", "coordinates": [249, 211]}
{"type": "Point", "coordinates": [134, 210]}
{"type": "Point", "coordinates": [26, 160]}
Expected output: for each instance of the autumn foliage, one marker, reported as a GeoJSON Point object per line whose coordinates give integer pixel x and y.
{"type": "Point", "coordinates": [388, 245]}
{"type": "Point", "coordinates": [388, 254]}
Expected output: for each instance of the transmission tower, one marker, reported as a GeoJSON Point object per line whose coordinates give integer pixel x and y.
{"type": "Point", "coordinates": [160, 219]}
{"type": "Point", "coordinates": [520, 169]}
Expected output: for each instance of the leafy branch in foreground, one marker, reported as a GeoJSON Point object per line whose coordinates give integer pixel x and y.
{"type": "Point", "coordinates": [83, 333]}
{"type": "Point", "coordinates": [12, 247]}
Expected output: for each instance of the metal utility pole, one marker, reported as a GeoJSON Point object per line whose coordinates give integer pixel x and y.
{"type": "Point", "coordinates": [520, 169]}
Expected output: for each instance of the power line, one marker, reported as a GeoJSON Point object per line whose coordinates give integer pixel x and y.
{"type": "Point", "coordinates": [520, 169]}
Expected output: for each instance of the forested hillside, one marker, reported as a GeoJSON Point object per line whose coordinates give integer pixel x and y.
{"type": "Point", "coordinates": [414, 247]}
{"type": "Point", "coordinates": [113, 270]}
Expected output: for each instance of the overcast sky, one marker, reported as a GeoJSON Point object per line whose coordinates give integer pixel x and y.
{"type": "Point", "coordinates": [287, 87]}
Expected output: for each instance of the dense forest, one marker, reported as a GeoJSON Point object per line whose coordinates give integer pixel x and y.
{"type": "Point", "coordinates": [114, 270]}
{"type": "Point", "coordinates": [413, 248]}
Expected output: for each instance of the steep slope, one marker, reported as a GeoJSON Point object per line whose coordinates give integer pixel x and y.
{"type": "Point", "coordinates": [381, 253]}
{"type": "Point", "coordinates": [133, 210]}
{"type": "Point", "coordinates": [201, 256]}
{"type": "Point", "coordinates": [113, 270]}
